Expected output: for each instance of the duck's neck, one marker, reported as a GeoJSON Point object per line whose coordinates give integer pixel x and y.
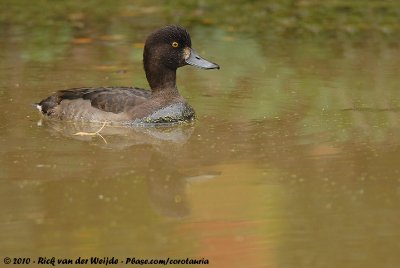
{"type": "Point", "coordinates": [161, 78]}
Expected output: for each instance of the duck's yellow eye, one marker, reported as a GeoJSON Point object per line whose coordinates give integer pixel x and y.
{"type": "Point", "coordinates": [175, 44]}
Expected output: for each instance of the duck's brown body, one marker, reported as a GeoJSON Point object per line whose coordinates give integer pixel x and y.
{"type": "Point", "coordinates": [120, 105]}
{"type": "Point", "coordinates": [165, 50]}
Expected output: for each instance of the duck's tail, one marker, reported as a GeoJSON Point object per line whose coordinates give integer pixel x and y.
{"type": "Point", "coordinates": [38, 106]}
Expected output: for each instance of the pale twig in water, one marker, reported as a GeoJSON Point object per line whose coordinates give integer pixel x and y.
{"type": "Point", "coordinates": [93, 133]}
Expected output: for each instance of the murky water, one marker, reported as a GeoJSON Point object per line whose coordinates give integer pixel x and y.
{"type": "Point", "coordinates": [293, 161]}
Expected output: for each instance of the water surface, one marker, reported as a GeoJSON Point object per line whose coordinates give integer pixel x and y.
{"type": "Point", "coordinates": [292, 162]}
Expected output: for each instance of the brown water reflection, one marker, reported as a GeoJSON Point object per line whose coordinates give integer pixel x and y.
{"type": "Point", "coordinates": [293, 161]}
{"type": "Point", "coordinates": [319, 202]}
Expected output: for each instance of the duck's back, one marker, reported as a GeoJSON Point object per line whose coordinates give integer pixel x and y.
{"type": "Point", "coordinates": [93, 104]}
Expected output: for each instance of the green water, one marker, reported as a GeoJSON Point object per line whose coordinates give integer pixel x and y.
{"type": "Point", "coordinates": [292, 162]}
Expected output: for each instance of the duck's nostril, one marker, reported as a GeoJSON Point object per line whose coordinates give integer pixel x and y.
{"type": "Point", "coordinates": [197, 57]}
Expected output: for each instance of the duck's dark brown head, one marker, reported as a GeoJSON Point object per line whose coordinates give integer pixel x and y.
{"type": "Point", "coordinates": [166, 50]}
{"type": "Point", "coordinates": [169, 48]}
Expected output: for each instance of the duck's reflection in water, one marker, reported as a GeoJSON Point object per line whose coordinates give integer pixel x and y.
{"type": "Point", "coordinates": [151, 151]}
{"type": "Point", "coordinates": [121, 136]}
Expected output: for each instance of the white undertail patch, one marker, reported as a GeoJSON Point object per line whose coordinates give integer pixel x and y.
{"type": "Point", "coordinates": [39, 107]}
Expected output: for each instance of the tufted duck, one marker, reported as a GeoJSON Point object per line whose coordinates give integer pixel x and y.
{"type": "Point", "coordinates": [165, 50]}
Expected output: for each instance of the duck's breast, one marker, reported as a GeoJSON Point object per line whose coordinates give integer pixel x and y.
{"type": "Point", "coordinates": [173, 113]}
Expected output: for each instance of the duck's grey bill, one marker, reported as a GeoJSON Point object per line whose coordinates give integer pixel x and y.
{"type": "Point", "coordinates": [195, 60]}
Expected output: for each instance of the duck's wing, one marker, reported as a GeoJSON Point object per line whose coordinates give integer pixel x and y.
{"type": "Point", "coordinates": [107, 99]}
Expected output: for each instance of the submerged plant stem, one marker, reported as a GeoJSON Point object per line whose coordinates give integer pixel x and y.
{"type": "Point", "coordinates": [93, 133]}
